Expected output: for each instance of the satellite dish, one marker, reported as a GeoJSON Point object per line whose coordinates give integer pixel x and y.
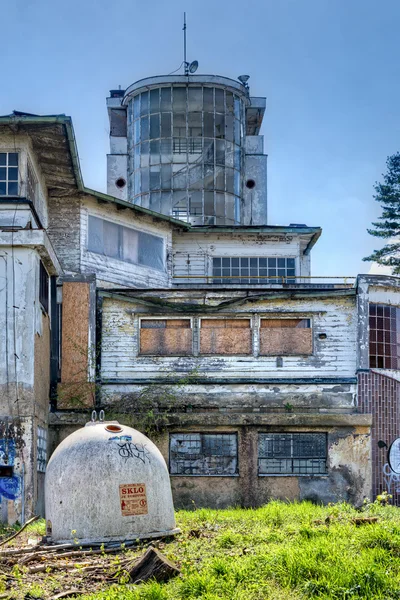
{"type": "Point", "coordinates": [394, 456]}
{"type": "Point", "coordinates": [194, 65]}
{"type": "Point", "coordinates": [244, 79]}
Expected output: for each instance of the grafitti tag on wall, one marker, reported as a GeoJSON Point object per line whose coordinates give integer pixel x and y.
{"type": "Point", "coordinates": [133, 499]}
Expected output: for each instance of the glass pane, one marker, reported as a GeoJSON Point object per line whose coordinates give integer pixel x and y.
{"type": "Point", "coordinates": [229, 133]}
{"type": "Point", "coordinates": [195, 99]}
{"type": "Point", "coordinates": [155, 101]}
{"type": "Point", "coordinates": [145, 154]}
{"type": "Point", "coordinates": [145, 199]}
{"type": "Point", "coordinates": [130, 244]}
{"type": "Point", "coordinates": [219, 126]}
{"type": "Point", "coordinates": [179, 99]}
{"type": "Point", "coordinates": [13, 173]}
{"type": "Point", "coordinates": [237, 210]}
{"type": "Point", "coordinates": [166, 125]}
{"type": "Point", "coordinates": [95, 237]}
{"type": "Point", "coordinates": [220, 179]}
{"type": "Point", "coordinates": [154, 152]}
{"type": "Point", "coordinates": [179, 124]}
{"type": "Point", "coordinates": [3, 173]}
{"type": "Point", "coordinates": [155, 182]}
{"type": "Point", "coordinates": [237, 158]}
{"type": "Point", "coordinates": [196, 177]}
{"type": "Point", "coordinates": [237, 107]}
{"type": "Point", "coordinates": [145, 180]}
{"type": "Point", "coordinates": [136, 160]}
{"type": "Point", "coordinates": [178, 178]}
{"type": "Point", "coordinates": [219, 101]}
{"type": "Point", "coordinates": [229, 154]}
{"type": "Point", "coordinates": [208, 124]}
{"type": "Point", "coordinates": [209, 151]}
{"type": "Point", "coordinates": [229, 102]}
{"type": "Point", "coordinates": [144, 133]}
{"type": "Point", "coordinates": [155, 126]}
{"type": "Point", "coordinates": [166, 150]}
{"type": "Point", "coordinates": [194, 124]}
{"type": "Point", "coordinates": [220, 152]}
{"type": "Point", "coordinates": [13, 159]}
{"type": "Point", "coordinates": [136, 107]}
{"type": "Point", "coordinates": [209, 204]}
{"type": "Point", "coordinates": [151, 251]}
{"type": "Point", "coordinates": [236, 183]}
{"type": "Point", "coordinates": [136, 131]}
{"type": "Point", "coordinates": [137, 183]}
{"type": "Point", "coordinates": [179, 205]}
{"type": "Point", "coordinates": [155, 201]}
{"type": "Point", "coordinates": [3, 158]}
{"type": "Point", "coordinates": [166, 203]}
{"type": "Point", "coordinates": [111, 239]}
{"type": "Point", "coordinates": [196, 204]}
{"type": "Point", "coordinates": [166, 173]}
{"type": "Point", "coordinates": [229, 181]}
{"type": "Point", "coordinates": [208, 99]}
{"type": "Point", "coordinates": [13, 189]}
{"type": "Point", "coordinates": [220, 208]}
{"type": "Point", "coordinates": [229, 209]}
{"type": "Point", "coordinates": [208, 177]}
{"type": "Point", "coordinates": [166, 98]}
{"type": "Point", "coordinates": [144, 103]}
{"type": "Point", "coordinates": [236, 136]}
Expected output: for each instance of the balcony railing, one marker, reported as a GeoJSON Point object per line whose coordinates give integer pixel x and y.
{"type": "Point", "coordinates": [319, 281]}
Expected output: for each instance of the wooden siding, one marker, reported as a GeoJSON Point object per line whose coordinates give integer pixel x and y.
{"type": "Point", "coordinates": [335, 355]}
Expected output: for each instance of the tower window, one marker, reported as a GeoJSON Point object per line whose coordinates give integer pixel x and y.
{"type": "Point", "coordinates": [9, 178]}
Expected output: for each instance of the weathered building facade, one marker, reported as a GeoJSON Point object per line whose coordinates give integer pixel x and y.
{"type": "Point", "coordinates": [172, 304]}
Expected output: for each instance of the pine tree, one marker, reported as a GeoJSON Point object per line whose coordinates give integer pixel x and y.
{"type": "Point", "coordinates": [388, 227]}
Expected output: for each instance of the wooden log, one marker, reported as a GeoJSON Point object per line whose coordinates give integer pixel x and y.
{"type": "Point", "coordinates": [67, 594]}
{"type": "Point", "coordinates": [152, 565]}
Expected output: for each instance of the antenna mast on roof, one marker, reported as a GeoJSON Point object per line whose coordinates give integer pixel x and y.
{"type": "Point", "coordinates": [192, 67]}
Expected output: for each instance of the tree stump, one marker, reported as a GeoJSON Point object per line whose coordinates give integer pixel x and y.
{"type": "Point", "coordinates": [153, 565]}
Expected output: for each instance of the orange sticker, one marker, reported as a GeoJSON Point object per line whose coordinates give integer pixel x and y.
{"type": "Point", "coordinates": [133, 499]}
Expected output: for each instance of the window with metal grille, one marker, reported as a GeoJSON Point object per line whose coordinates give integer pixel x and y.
{"type": "Point", "coordinates": [384, 328]}
{"type": "Point", "coordinates": [41, 449]}
{"type": "Point", "coordinates": [285, 337]}
{"type": "Point", "coordinates": [232, 270]}
{"type": "Point", "coordinates": [206, 454]}
{"type": "Point", "coordinates": [31, 183]}
{"type": "Point", "coordinates": [9, 174]}
{"type": "Point", "coordinates": [292, 453]}
{"type": "Point", "coordinates": [166, 337]}
{"type": "Point", "coordinates": [43, 288]}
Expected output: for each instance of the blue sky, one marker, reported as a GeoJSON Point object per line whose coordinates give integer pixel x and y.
{"type": "Point", "coordinates": [329, 69]}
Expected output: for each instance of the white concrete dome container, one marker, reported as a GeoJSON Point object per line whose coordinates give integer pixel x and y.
{"type": "Point", "coordinates": [105, 483]}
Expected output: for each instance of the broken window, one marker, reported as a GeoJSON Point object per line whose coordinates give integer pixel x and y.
{"type": "Point", "coordinates": [285, 337]}
{"type": "Point", "coordinates": [166, 337]}
{"type": "Point", "coordinates": [43, 288]}
{"type": "Point", "coordinates": [203, 454]}
{"type": "Point", "coordinates": [9, 174]}
{"type": "Point", "coordinates": [225, 336]}
{"type": "Point", "coordinates": [124, 243]}
{"type": "Point", "coordinates": [384, 336]}
{"type": "Point", "coordinates": [292, 453]}
{"type": "Point", "coordinates": [259, 269]}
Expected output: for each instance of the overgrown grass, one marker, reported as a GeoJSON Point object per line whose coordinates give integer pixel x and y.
{"type": "Point", "coordinates": [280, 552]}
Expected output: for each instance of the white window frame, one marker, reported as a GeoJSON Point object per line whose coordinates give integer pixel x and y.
{"type": "Point", "coordinates": [7, 166]}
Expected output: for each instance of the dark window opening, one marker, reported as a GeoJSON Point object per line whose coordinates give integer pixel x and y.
{"type": "Point", "coordinates": [292, 453]}
{"type": "Point", "coordinates": [205, 454]}
{"type": "Point", "coordinates": [43, 288]}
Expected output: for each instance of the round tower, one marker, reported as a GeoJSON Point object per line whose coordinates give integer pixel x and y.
{"type": "Point", "coordinates": [182, 145]}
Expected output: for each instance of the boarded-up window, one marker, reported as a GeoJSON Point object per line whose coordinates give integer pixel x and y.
{"type": "Point", "coordinates": [169, 337]}
{"type": "Point", "coordinates": [203, 454]}
{"type": "Point", "coordinates": [225, 336]}
{"type": "Point", "coordinates": [384, 336]}
{"type": "Point", "coordinates": [285, 336]}
{"type": "Point", "coordinates": [292, 453]}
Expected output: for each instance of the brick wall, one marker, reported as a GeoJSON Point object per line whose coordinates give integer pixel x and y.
{"type": "Point", "coordinates": [379, 395]}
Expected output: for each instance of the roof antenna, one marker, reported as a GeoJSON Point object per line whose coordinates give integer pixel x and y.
{"type": "Point", "coordinates": [192, 67]}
